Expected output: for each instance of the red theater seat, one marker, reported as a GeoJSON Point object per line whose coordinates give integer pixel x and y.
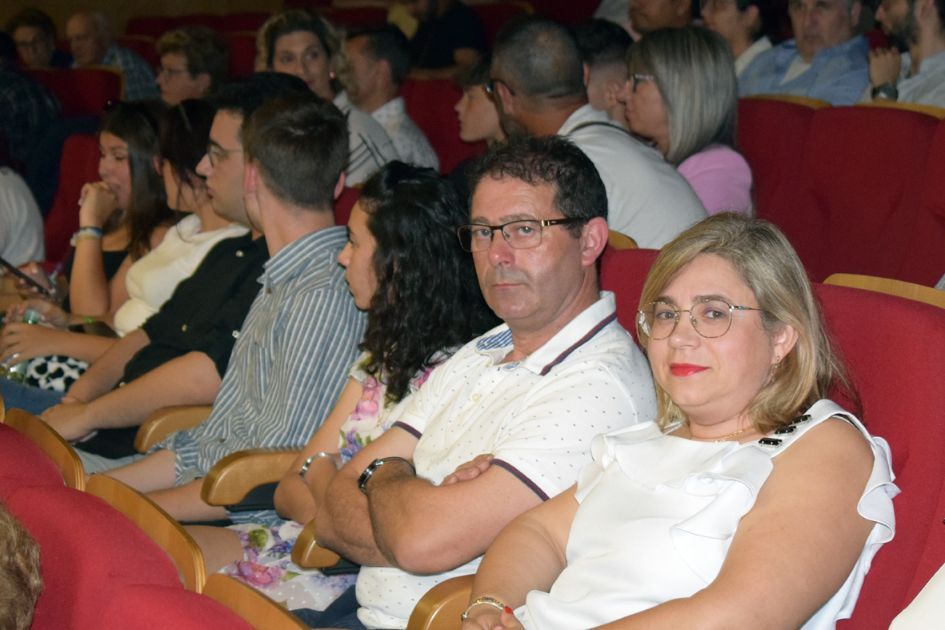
{"type": "Point", "coordinates": [23, 463]}
{"type": "Point", "coordinates": [242, 54]}
{"type": "Point", "coordinates": [925, 259]}
{"type": "Point", "coordinates": [143, 45]}
{"type": "Point", "coordinates": [78, 166]}
{"type": "Point", "coordinates": [624, 271]}
{"type": "Point", "coordinates": [494, 15]}
{"type": "Point", "coordinates": [150, 607]}
{"type": "Point", "coordinates": [82, 91]}
{"type": "Point", "coordinates": [430, 103]}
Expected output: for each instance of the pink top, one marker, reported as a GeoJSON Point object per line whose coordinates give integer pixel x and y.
{"type": "Point", "coordinates": [721, 178]}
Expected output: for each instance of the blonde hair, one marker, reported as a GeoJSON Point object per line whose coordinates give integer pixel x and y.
{"type": "Point", "coordinates": [20, 578]}
{"type": "Point", "coordinates": [767, 263]}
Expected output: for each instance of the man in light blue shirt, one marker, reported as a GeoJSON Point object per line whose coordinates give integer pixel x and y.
{"type": "Point", "coordinates": [825, 61]}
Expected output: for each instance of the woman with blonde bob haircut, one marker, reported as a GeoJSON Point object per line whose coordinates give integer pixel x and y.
{"type": "Point", "coordinates": [682, 95]}
{"type": "Point", "coordinates": [752, 501]}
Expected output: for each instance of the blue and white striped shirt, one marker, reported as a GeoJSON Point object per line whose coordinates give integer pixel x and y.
{"type": "Point", "coordinates": [289, 363]}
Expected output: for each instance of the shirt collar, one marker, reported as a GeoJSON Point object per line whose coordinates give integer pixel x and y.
{"type": "Point", "coordinates": [575, 334]}
{"type": "Point", "coordinates": [320, 248]}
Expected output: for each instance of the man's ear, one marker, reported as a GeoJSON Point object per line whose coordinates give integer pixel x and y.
{"type": "Point", "coordinates": [593, 240]}
{"type": "Point", "coordinates": [157, 163]}
{"type": "Point", "coordinates": [586, 69]}
{"type": "Point", "coordinates": [250, 178]}
{"type": "Point", "coordinates": [339, 185]}
{"type": "Point", "coordinates": [612, 90]}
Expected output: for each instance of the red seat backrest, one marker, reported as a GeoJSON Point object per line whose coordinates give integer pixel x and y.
{"type": "Point", "coordinates": [242, 58]}
{"type": "Point", "coordinates": [344, 204]}
{"type": "Point", "coordinates": [430, 104]}
{"type": "Point", "coordinates": [355, 17]}
{"type": "Point", "coordinates": [78, 166]}
{"type": "Point", "coordinates": [925, 263]}
{"type": "Point", "coordinates": [771, 136]}
{"type": "Point", "coordinates": [23, 463]}
{"type": "Point", "coordinates": [624, 271]}
{"type": "Point", "coordinates": [494, 15]}
{"type": "Point", "coordinates": [152, 607]}
{"type": "Point", "coordinates": [902, 401]}
{"type": "Point", "coordinates": [143, 45]}
{"type": "Point", "coordinates": [243, 22]}
{"type": "Point", "coordinates": [81, 91]}
{"type": "Point", "coordinates": [565, 11]}
{"type": "Point", "coordinates": [150, 25]}
{"type": "Point", "coordinates": [89, 552]}
{"type": "Point", "coordinates": [863, 167]}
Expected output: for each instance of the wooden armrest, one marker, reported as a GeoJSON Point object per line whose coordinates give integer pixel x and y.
{"type": "Point", "coordinates": [167, 420]}
{"type": "Point", "coordinates": [442, 605]}
{"type": "Point", "coordinates": [308, 554]}
{"type": "Point", "coordinates": [232, 478]}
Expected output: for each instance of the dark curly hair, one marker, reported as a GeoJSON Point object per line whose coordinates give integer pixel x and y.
{"type": "Point", "coordinates": [184, 130]}
{"type": "Point", "coordinates": [427, 297]}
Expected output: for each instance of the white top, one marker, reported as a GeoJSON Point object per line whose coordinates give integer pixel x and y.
{"type": "Point", "coordinates": [657, 515]}
{"type": "Point", "coordinates": [152, 278]}
{"type": "Point", "coordinates": [927, 609]}
{"type": "Point", "coordinates": [369, 146]}
{"type": "Point", "coordinates": [21, 224]}
{"type": "Point", "coordinates": [647, 199]}
{"type": "Point", "coordinates": [927, 86]}
{"type": "Point", "coordinates": [748, 55]}
{"type": "Point", "coordinates": [411, 143]}
{"type": "Point", "coordinates": [536, 416]}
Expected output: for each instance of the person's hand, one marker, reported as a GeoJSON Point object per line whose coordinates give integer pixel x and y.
{"type": "Point", "coordinates": [71, 420]}
{"type": "Point", "coordinates": [19, 342]}
{"type": "Point", "coordinates": [51, 313]}
{"type": "Point", "coordinates": [96, 204]}
{"type": "Point", "coordinates": [885, 64]}
{"type": "Point", "coordinates": [470, 470]}
{"type": "Point", "coordinates": [489, 618]}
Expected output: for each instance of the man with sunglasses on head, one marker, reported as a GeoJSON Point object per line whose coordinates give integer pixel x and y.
{"type": "Point", "coordinates": [507, 421]}
{"type": "Point", "coordinates": [538, 87]}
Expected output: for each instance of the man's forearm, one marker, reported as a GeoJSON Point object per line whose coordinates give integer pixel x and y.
{"type": "Point", "coordinates": [188, 380]}
{"type": "Point", "coordinates": [344, 525]}
{"type": "Point", "coordinates": [105, 372]}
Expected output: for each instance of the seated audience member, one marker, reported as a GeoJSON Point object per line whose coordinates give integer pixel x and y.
{"type": "Point", "coordinates": [90, 40]}
{"type": "Point", "coordinates": [193, 63]}
{"type": "Point", "coordinates": [405, 267]}
{"type": "Point", "coordinates": [826, 60]}
{"type": "Point", "coordinates": [21, 581]}
{"type": "Point", "coordinates": [650, 15]}
{"type": "Point", "coordinates": [35, 35]}
{"type": "Point", "coordinates": [743, 24]}
{"type": "Point", "coordinates": [291, 360]}
{"type": "Point", "coordinates": [537, 83]}
{"type": "Point", "coordinates": [379, 61]}
{"type": "Point", "coordinates": [449, 38]}
{"type": "Point", "coordinates": [26, 107]}
{"type": "Point", "coordinates": [683, 97]}
{"type": "Point", "coordinates": [21, 224]}
{"type": "Point", "coordinates": [306, 45]}
{"type": "Point", "coordinates": [121, 218]}
{"type": "Point", "coordinates": [919, 75]}
{"type": "Point", "coordinates": [151, 279]}
{"type": "Point", "coordinates": [179, 355]}
{"type": "Point", "coordinates": [603, 47]}
{"type": "Point", "coordinates": [616, 11]}
{"type": "Point", "coordinates": [528, 395]}
{"type": "Point", "coordinates": [694, 519]}
{"type": "Point", "coordinates": [477, 113]}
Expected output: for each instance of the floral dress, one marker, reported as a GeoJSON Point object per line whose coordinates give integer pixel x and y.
{"type": "Point", "coordinates": [267, 564]}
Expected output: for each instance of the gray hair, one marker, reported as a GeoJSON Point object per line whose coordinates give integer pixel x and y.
{"type": "Point", "coordinates": [695, 73]}
{"type": "Point", "coordinates": [538, 58]}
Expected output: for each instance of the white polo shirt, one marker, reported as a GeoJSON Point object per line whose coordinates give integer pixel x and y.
{"type": "Point", "coordinates": [536, 416]}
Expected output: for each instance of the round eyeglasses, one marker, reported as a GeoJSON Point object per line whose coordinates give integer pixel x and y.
{"type": "Point", "coordinates": [521, 234]}
{"type": "Point", "coordinates": [710, 317]}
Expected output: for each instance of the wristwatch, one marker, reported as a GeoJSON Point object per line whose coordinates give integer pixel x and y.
{"type": "Point", "coordinates": [372, 468]}
{"type": "Point", "coordinates": [885, 91]}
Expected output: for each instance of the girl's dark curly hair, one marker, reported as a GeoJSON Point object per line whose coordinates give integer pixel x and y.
{"type": "Point", "coordinates": [136, 123]}
{"type": "Point", "coordinates": [182, 137]}
{"type": "Point", "coordinates": [427, 296]}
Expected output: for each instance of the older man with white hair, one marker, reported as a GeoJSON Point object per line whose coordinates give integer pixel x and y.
{"type": "Point", "coordinates": [90, 40]}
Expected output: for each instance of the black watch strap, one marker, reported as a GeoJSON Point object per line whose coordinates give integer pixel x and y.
{"type": "Point", "coordinates": [885, 91]}
{"type": "Point", "coordinates": [372, 468]}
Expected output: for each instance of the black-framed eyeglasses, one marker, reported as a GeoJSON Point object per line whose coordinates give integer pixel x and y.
{"type": "Point", "coordinates": [711, 317]}
{"type": "Point", "coordinates": [489, 87]}
{"type": "Point", "coordinates": [215, 153]}
{"type": "Point", "coordinates": [636, 79]}
{"type": "Point", "coordinates": [520, 234]}
{"type": "Point", "coordinates": [171, 72]}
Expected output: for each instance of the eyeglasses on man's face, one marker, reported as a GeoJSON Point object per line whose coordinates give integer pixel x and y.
{"type": "Point", "coordinates": [520, 234]}
{"type": "Point", "coordinates": [490, 88]}
{"type": "Point", "coordinates": [216, 153]}
{"type": "Point", "coordinates": [710, 317]}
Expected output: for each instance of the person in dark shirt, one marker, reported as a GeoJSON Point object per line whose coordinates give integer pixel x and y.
{"type": "Point", "coordinates": [449, 39]}
{"type": "Point", "coordinates": [180, 355]}
{"type": "Point", "coordinates": [35, 35]}
{"type": "Point", "coordinates": [26, 107]}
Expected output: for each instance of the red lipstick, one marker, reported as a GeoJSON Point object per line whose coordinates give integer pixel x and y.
{"type": "Point", "coordinates": [685, 369]}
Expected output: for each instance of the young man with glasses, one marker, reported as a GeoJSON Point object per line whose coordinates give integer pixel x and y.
{"type": "Point", "coordinates": [506, 422]}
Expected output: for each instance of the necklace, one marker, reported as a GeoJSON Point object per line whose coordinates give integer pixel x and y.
{"type": "Point", "coordinates": [731, 435]}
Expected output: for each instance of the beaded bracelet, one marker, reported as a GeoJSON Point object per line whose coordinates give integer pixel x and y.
{"type": "Point", "coordinates": [89, 231]}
